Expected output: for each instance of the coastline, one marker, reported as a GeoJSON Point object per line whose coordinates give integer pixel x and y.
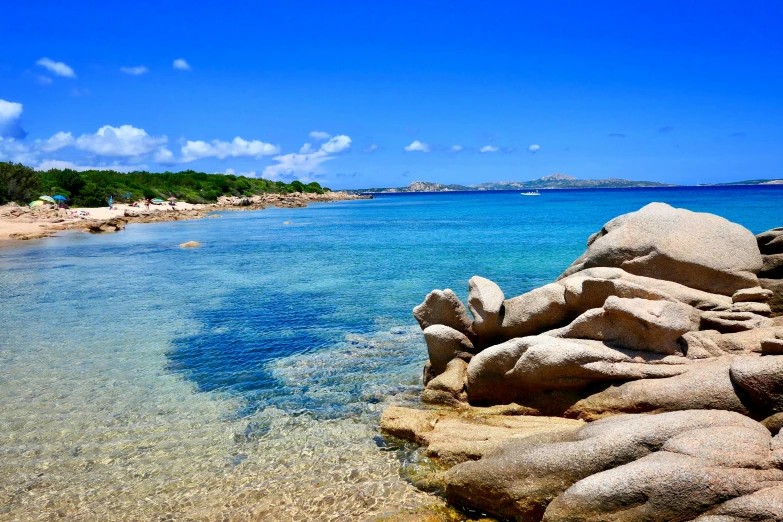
{"type": "Point", "coordinates": [19, 223]}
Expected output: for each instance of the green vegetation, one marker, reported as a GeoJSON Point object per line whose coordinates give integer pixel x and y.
{"type": "Point", "coordinates": [92, 188]}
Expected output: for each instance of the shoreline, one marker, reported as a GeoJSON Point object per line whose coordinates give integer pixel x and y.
{"type": "Point", "coordinates": [19, 223]}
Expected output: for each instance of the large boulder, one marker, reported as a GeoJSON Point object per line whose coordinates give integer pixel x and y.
{"type": "Point", "coordinates": [589, 288]}
{"type": "Point", "coordinates": [672, 466]}
{"type": "Point", "coordinates": [636, 324]}
{"type": "Point", "coordinates": [776, 301]}
{"type": "Point", "coordinates": [533, 312]}
{"type": "Point", "coordinates": [514, 370]}
{"type": "Point", "coordinates": [771, 241]}
{"type": "Point", "coordinates": [444, 344]}
{"type": "Point", "coordinates": [772, 267]}
{"type": "Point", "coordinates": [711, 343]}
{"type": "Point", "coordinates": [699, 250]}
{"type": "Point", "coordinates": [703, 385]}
{"type": "Point", "coordinates": [485, 300]}
{"type": "Point", "coordinates": [443, 307]}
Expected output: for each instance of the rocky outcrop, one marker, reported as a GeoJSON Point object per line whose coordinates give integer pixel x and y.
{"type": "Point", "coordinates": [663, 315]}
{"type": "Point", "coordinates": [698, 250]}
{"type": "Point", "coordinates": [672, 466]}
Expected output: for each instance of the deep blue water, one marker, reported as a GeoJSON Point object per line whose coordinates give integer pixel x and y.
{"type": "Point", "coordinates": [136, 376]}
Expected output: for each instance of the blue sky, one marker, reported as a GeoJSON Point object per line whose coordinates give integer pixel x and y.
{"type": "Point", "coordinates": [386, 93]}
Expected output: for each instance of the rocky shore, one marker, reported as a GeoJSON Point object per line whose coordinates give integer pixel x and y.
{"type": "Point", "coordinates": [645, 383]}
{"type": "Point", "coordinates": [24, 223]}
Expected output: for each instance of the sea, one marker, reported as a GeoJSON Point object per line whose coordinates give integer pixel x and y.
{"type": "Point", "coordinates": [244, 380]}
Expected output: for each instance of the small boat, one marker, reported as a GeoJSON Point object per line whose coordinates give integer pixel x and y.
{"type": "Point", "coordinates": [534, 193]}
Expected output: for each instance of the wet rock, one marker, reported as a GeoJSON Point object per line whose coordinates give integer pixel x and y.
{"type": "Point", "coordinates": [699, 250]}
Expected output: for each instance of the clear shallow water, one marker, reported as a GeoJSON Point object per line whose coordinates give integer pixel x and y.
{"type": "Point", "coordinates": [244, 379]}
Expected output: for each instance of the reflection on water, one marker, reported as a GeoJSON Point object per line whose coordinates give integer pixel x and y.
{"type": "Point", "coordinates": [244, 379]}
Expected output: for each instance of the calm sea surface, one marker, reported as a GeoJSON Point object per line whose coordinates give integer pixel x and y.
{"type": "Point", "coordinates": [244, 379]}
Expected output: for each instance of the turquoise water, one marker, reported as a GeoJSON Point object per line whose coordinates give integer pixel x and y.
{"type": "Point", "coordinates": [244, 379]}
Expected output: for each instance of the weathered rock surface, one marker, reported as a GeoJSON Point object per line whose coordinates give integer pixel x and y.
{"type": "Point", "coordinates": [641, 324]}
{"type": "Point", "coordinates": [660, 336]}
{"type": "Point", "coordinates": [444, 344]}
{"type": "Point", "coordinates": [443, 307]}
{"type": "Point", "coordinates": [772, 266]}
{"type": "Point", "coordinates": [512, 371]}
{"type": "Point", "coordinates": [672, 466]}
{"type": "Point", "coordinates": [463, 434]}
{"type": "Point", "coordinates": [771, 241]}
{"type": "Point", "coordinates": [702, 251]}
{"type": "Point", "coordinates": [776, 301]}
{"type": "Point", "coordinates": [190, 244]}
{"type": "Point", "coordinates": [761, 295]}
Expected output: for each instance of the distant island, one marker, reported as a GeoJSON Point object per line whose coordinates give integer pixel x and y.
{"type": "Point", "coordinates": [746, 182]}
{"type": "Point", "coordinates": [554, 181]}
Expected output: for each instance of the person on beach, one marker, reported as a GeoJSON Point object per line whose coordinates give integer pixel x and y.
{"type": "Point", "coordinates": [147, 203]}
{"type": "Point", "coordinates": [111, 202]}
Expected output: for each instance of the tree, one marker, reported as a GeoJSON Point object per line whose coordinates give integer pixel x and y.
{"type": "Point", "coordinates": [20, 183]}
{"type": "Point", "coordinates": [71, 181]}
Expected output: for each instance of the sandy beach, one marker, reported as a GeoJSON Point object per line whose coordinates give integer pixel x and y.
{"type": "Point", "coordinates": [18, 223]}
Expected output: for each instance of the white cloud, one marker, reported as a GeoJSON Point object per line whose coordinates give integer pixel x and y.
{"type": "Point", "coordinates": [16, 151]}
{"type": "Point", "coordinates": [9, 120]}
{"type": "Point", "coordinates": [9, 111]}
{"type": "Point", "coordinates": [164, 156]}
{"type": "Point", "coordinates": [337, 144]}
{"type": "Point", "coordinates": [303, 165]}
{"type": "Point", "coordinates": [533, 148]}
{"type": "Point", "coordinates": [60, 164]}
{"type": "Point", "coordinates": [194, 150]}
{"type": "Point", "coordinates": [417, 146]}
{"type": "Point", "coordinates": [372, 148]}
{"type": "Point", "coordinates": [320, 135]}
{"type": "Point", "coordinates": [56, 142]}
{"type": "Point", "coordinates": [44, 80]}
{"type": "Point", "coordinates": [181, 65]}
{"type": "Point", "coordinates": [306, 149]}
{"type": "Point", "coordinates": [58, 68]}
{"type": "Point", "coordinates": [135, 71]}
{"type": "Point", "coordinates": [230, 171]}
{"type": "Point", "coordinates": [489, 148]}
{"type": "Point", "coordinates": [456, 148]}
{"type": "Point", "coordinates": [125, 140]}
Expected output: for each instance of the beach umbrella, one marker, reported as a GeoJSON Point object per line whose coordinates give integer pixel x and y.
{"type": "Point", "coordinates": [172, 198]}
{"type": "Point", "coordinates": [59, 197]}
{"type": "Point", "coordinates": [47, 198]}
{"type": "Point", "coordinates": [36, 203]}
{"type": "Point", "coordinates": [157, 200]}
